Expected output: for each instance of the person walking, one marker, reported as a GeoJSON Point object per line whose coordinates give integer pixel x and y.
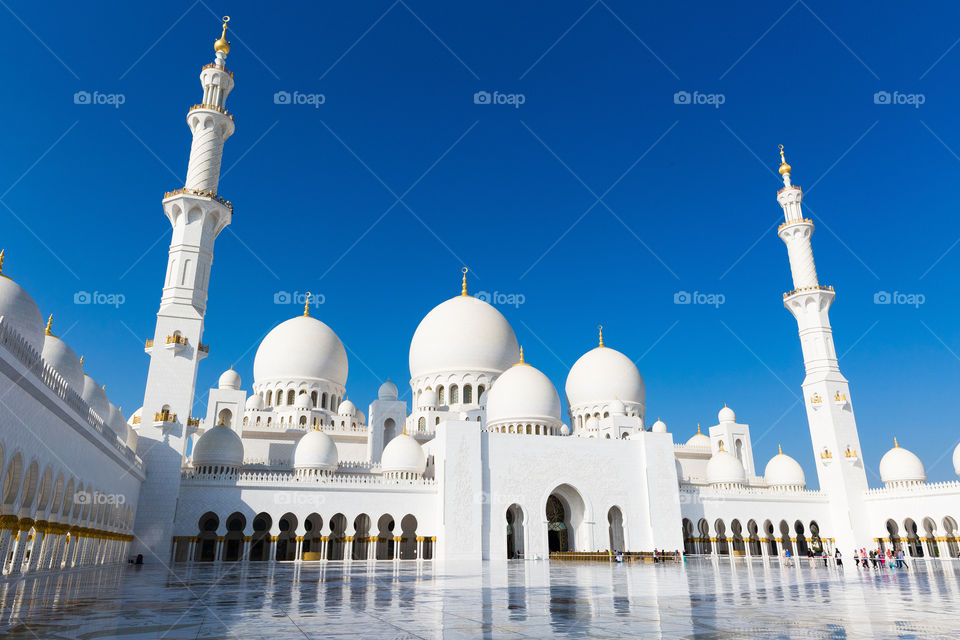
{"type": "Point", "coordinates": [901, 558]}
{"type": "Point", "coordinates": [838, 557]}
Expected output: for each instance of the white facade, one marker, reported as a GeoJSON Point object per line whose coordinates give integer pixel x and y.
{"type": "Point", "coordinates": [480, 466]}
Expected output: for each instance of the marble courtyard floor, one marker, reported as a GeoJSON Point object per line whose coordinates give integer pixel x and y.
{"type": "Point", "coordinates": [702, 599]}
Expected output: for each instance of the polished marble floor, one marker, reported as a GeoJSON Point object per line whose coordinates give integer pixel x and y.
{"type": "Point", "coordinates": [699, 599]}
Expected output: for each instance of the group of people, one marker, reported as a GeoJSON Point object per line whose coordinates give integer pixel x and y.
{"type": "Point", "coordinates": [880, 559]}
{"type": "Point", "coordinates": [813, 557]}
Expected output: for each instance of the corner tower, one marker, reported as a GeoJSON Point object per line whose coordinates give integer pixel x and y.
{"type": "Point", "coordinates": [197, 215]}
{"type": "Point", "coordinates": [826, 393]}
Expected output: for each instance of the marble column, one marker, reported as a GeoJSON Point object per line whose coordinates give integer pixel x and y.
{"type": "Point", "coordinates": [23, 539]}
{"type": "Point", "coordinates": [40, 529]}
{"type": "Point", "coordinates": [8, 525]}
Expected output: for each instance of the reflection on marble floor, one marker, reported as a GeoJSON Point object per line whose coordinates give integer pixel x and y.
{"type": "Point", "coordinates": [702, 598]}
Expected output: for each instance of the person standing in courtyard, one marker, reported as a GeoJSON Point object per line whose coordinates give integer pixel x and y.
{"type": "Point", "coordinates": [838, 557]}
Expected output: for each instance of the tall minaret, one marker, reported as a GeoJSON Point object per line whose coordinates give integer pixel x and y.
{"type": "Point", "coordinates": [197, 215]}
{"type": "Point", "coordinates": [826, 393]}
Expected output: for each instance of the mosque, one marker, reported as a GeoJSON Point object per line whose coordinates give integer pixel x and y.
{"type": "Point", "coordinates": [480, 466]}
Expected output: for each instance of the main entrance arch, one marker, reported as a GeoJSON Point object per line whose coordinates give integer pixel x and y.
{"type": "Point", "coordinates": [565, 511]}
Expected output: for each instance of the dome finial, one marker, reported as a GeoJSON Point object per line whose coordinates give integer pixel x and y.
{"type": "Point", "coordinates": [521, 355]}
{"type": "Point", "coordinates": [221, 45]}
{"type": "Point", "coordinates": [48, 331]}
{"type": "Point", "coordinates": [81, 361]}
{"type": "Point", "coordinates": [463, 286]}
{"type": "Point", "coordinates": [698, 429]}
{"type": "Point", "coordinates": [306, 306]}
{"type": "Point", "coordinates": [600, 331]}
{"type": "Point", "coordinates": [3, 253]}
{"type": "Point", "coordinates": [784, 167]}
{"type": "Point", "coordinates": [896, 445]}
{"type": "Point", "coordinates": [779, 450]}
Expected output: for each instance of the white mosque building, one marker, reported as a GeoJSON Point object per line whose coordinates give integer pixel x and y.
{"type": "Point", "coordinates": [480, 467]}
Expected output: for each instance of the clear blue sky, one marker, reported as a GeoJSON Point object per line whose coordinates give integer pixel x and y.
{"type": "Point", "coordinates": [688, 190]}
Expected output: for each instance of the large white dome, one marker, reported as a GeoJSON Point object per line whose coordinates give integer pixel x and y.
{"type": "Point", "coordinates": [316, 450]}
{"type": "Point", "coordinates": [899, 466]}
{"type": "Point", "coordinates": [302, 347]}
{"type": "Point", "coordinates": [64, 361]}
{"type": "Point", "coordinates": [218, 446]}
{"type": "Point", "coordinates": [463, 334]}
{"type": "Point", "coordinates": [784, 471]}
{"type": "Point", "coordinates": [523, 393]}
{"type": "Point", "coordinates": [94, 395]}
{"type": "Point", "coordinates": [403, 454]}
{"type": "Point", "coordinates": [725, 468]}
{"type": "Point", "coordinates": [603, 375]}
{"type": "Point", "coordinates": [20, 312]}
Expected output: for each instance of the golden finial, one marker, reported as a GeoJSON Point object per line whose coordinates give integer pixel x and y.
{"type": "Point", "coordinates": [306, 306]}
{"type": "Point", "coordinates": [463, 287]}
{"type": "Point", "coordinates": [222, 45]}
{"type": "Point", "coordinates": [521, 356]}
{"type": "Point", "coordinates": [698, 429]}
{"type": "Point", "coordinates": [3, 253]}
{"type": "Point", "coordinates": [81, 361]}
{"type": "Point", "coordinates": [48, 330]}
{"type": "Point", "coordinates": [779, 450]}
{"type": "Point", "coordinates": [784, 167]}
{"type": "Point", "coordinates": [896, 445]}
{"type": "Point", "coordinates": [600, 331]}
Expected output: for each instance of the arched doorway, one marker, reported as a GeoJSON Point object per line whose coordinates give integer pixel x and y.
{"type": "Point", "coordinates": [723, 547]}
{"type": "Point", "coordinates": [389, 430]}
{"type": "Point", "coordinates": [207, 537]}
{"type": "Point", "coordinates": [260, 544]}
{"type": "Point", "coordinates": [893, 534]}
{"type": "Point", "coordinates": [739, 548]}
{"type": "Point", "coordinates": [689, 544]}
{"type": "Point", "coordinates": [361, 537]}
{"type": "Point", "coordinates": [287, 540]}
{"type": "Point", "coordinates": [615, 530]}
{"type": "Point", "coordinates": [771, 538]}
{"type": "Point", "coordinates": [754, 541]}
{"type": "Point", "coordinates": [385, 544]}
{"type": "Point", "coordinates": [312, 539]}
{"type": "Point", "coordinates": [816, 540]}
{"type": "Point", "coordinates": [953, 545]}
{"type": "Point", "coordinates": [233, 541]}
{"type": "Point", "coordinates": [703, 542]}
{"type": "Point", "coordinates": [514, 532]}
{"type": "Point", "coordinates": [338, 529]}
{"type": "Point", "coordinates": [408, 541]}
{"type": "Point", "coordinates": [565, 512]}
{"type": "Point", "coordinates": [913, 539]}
{"type": "Point", "coordinates": [930, 527]}
{"type": "Point", "coordinates": [801, 538]}
{"type": "Point", "coordinates": [785, 541]}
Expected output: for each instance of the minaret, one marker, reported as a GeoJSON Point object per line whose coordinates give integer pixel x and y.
{"type": "Point", "coordinates": [197, 215]}
{"type": "Point", "coordinates": [826, 393]}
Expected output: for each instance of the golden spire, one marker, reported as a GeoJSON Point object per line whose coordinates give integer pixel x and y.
{"type": "Point", "coordinates": [698, 429]}
{"type": "Point", "coordinates": [779, 450]}
{"type": "Point", "coordinates": [48, 330]}
{"type": "Point", "coordinates": [521, 356]}
{"type": "Point", "coordinates": [81, 361]}
{"type": "Point", "coordinates": [600, 331]}
{"type": "Point", "coordinates": [306, 306]}
{"type": "Point", "coordinates": [3, 253]}
{"type": "Point", "coordinates": [784, 167]}
{"type": "Point", "coordinates": [463, 287]}
{"type": "Point", "coordinates": [222, 45]}
{"type": "Point", "coordinates": [896, 445]}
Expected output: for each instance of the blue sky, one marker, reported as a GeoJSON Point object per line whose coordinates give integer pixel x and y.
{"type": "Point", "coordinates": [597, 199]}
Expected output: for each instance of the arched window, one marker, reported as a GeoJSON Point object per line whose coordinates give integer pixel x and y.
{"type": "Point", "coordinates": [467, 394]}
{"type": "Point", "coordinates": [323, 400]}
{"type": "Point", "coordinates": [303, 421]}
{"type": "Point", "coordinates": [454, 394]}
{"type": "Point", "coordinates": [278, 401]}
{"type": "Point", "coordinates": [269, 420]}
{"type": "Point", "coordinates": [258, 419]}
{"type": "Point", "coordinates": [269, 398]}
{"type": "Point", "coordinates": [739, 448]}
{"type": "Point", "coordinates": [290, 396]}
{"type": "Point", "coordinates": [313, 399]}
{"type": "Point", "coordinates": [437, 420]}
{"type": "Point", "coordinates": [422, 423]}
{"type": "Point", "coordinates": [440, 395]}
{"type": "Point", "coordinates": [480, 390]}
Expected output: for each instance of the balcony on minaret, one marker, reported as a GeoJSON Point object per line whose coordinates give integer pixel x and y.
{"type": "Point", "coordinates": [164, 417]}
{"type": "Point", "coordinates": [840, 399]}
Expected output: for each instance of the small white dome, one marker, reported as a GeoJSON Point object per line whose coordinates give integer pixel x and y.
{"type": "Point", "coordinates": [726, 415]}
{"type": "Point", "coordinates": [617, 408]}
{"type": "Point", "coordinates": [21, 313]}
{"type": "Point", "coordinates": [403, 454]}
{"type": "Point", "coordinates": [316, 450]}
{"type": "Point", "coordinates": [601, 375]}
{"type": "Point", "coordinates": [255, 402]}
{"type": "Point", "coordinates": [523, 392]}
{"type": "Point", "coordinates": [94, 395]}
{"type": "Point", "coordinates": [303, 401]}
{"type": "Point", "coordinates": [301, 348]}
{"type": "Point", "coordinates": [218, 446]}
{"type": "Point", "coordinates": [784, 471]}
{"type": "Point", "coordinates": [699, 440]}
{"type": "Point", "coordinates": [725, 468]}
{"type": "Point", "coordinates": [427, 399]}
{"type": "Point", "coordinates": [900, 466]}
{"type": "Point", "coordinates": [387, 391]}
{"type": "Point", "coordinates": [64, 361]}
{"type": "Point", "coordinates": [229, 379]}
{"type": "Point", "coordinates": [659, 426]}
{"type": "Point", "coordinates": [956, 460]}
{"type": "Point", "coordinates": [565, 430]}
{"type": "Point", "coordinates": [346, 409]}
{"type": "Point", "coordinates": [592, 424]}
{"type": "Point", "coordinates": [116, 421]}
{"type": "Point", "coordinates": [463, 334]}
